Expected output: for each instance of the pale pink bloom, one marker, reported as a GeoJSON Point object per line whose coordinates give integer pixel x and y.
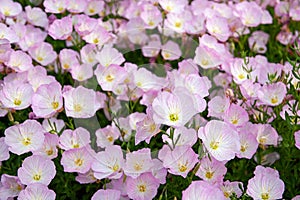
{"type": "Point", "coordinates": [248, 142]}
{"type": "Point", "coordinates": [10, 186]}
{"type": "Point", "coordinates": [173, 6]}
{"type": "Point", "coordinates": [181, 160]}
{"type": "Point", "coordinates": [19, 61]}
{"type": "Point", "coordinates": [99, 36]}
{"type": "Point", "coordinates": [82, 72]}
{"type": "Point", "coordinates": [36, 16]}
{"type": "Point", "coordinates": [146, 128]}
{"type": "Point", "coordinates": [295, 13]}
{"type": "Point", "coordinates": [138, 162]}
{"type": "Point", "coordinates": [36, 79]}
{"type": "Point", "coordinates": [151, 15]}
{"type": "Point", "coordinates": [266, 184]}
{"type": "Point", "coordinates": [49, 148]}
{"type": "Point", "coordinates": [236, 115]}
{"type": "Point", "coordinates": [152, 49]}
{"type": "Point", "coordinates": [61, 29]}
{"type": "Point", "coordinates": [76, 6]}
{"type": "Point", "coordinates": [222, 79]}
{"type": "Point", "coordinates": [258, 40]}
{"type": "Point", "coordinates": [109, 55]}
{"type": "Point", "coordinates": [81, 102]}
{"type": "Point", "coordinates": [10, 8]}
{"type": "Point", "coordinates": [109, 77]}
{"type": "Point", "coordinates": [53, 125]}
{"type": "Point", "coordinates": [249, 89]}
{"type": "Point", "coordinates": [94, 7]}
{"type": "Point", "coordinates": [195, 25]}
{"type": "Point", "coordinates": [285, 37]}
{"type": "Point", "coordinates": [181, 136]}
{"type": "Point", "coordinates": [272, 94]}
{"type": "Point", "coordinates": [197, 85]}
{"type": "Point", "coordinates": [143, 187]}
{"type": "Point", "coordinates": [220, 139]}
{"type": "Point", "coordinates": [109, 163]}
{"type": "Point", "coordinates": [36, 169]}
{"type": "Point", "coordinates": [107, 194]}
{"type": "Point", "coordinates": [84, 24]}
{"type": "Point", "coordinates": [217, 106]}
{"type": "Point", "coordinates": [266, 134]}
{"type": "Point", "coordinates": [297, 197]}
{"type": "Point", "coordinates": [245, 11]}
{"type": "Point", "coordinates": [202, 190]}
{"type": "Point", "coordinates": [5, 51]}
{"type": "Point", "coordinates": [31, 36]}
{"type": "Point", "coordinates": [211, 170]}
{"type": "Point", "coordinates": [8, 34]}
{"type": "Point", "coordinates": [37, 191]}
{"type": "Point", "coordinates": [71, 139]}
{"type": "Point", "coordinates": [25, 137]}
{"type": "Point", "coordinates": [68, 58]}
{"type": "Point", "coordinates": [4, 152]}
{"type": "Point", "coordinates": [134, 118]}
{"type": "Point", "coordinates": [147, 81]}
{"type": "Point", "coordinates": [78, 159]}
{"type": "Point", "coordinates": [177, 21]}
{"type": "Point", "coordinates": [47, 100]}
{"type": "Point", "coordinates": [218, 26]}
{"type": "Point", "coordinates": [229, 188]}
{"type": "Point", "coordinates": [43, 53]}
{"type": "Point", "coordinates": [297, 139]}
{"type": "Point", "coordinates": [55, 6]}
{"type": "Point", "coordinates": [106, 136]}
{"type": "Point", "coordinates": [88, 54]}
{"type": "Point", "coordinates": [173, 109]}
{"type": "Point", "coordinates": [239, 70]}
{"type": "Point", "coordinates": [86, 178]}
{"type": "Point", "coordinates": [282, 8]}
{"type": "Point", "coordinates": [158, 171]}
{"type": "Point", "coordinates": [171, 51]}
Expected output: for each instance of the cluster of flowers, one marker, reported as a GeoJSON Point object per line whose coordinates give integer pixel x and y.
{"type": "Point", "coordinates": [173, 101]}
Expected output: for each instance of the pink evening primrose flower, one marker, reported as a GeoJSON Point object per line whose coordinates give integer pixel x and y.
{"type": "Point", "coordinates": [109, 163]}
{"type": "Point", "coordinates": [173, 6]}
{"type": "Point", "coordinates": [86, 178]}
{"type": "Point", "coordinates": [106, 136]}
{"type": "Point", "coordinates": [220, 139]}
{"type": "Point", "coordinates": [109, 55]}
{"type": "Point", "coordinates": [266, 134]}
{"type": "Point", "coordinates": [25, 137]}
{"type": "Point", "coordinates": [181, 160]}
{"type": "Point", "coordinates": [43, 53]}
{"type": "Point", "coordinates": [8, 33]}
{"type": "Point", "coordinates": [211, 170]}
{"type": "Point", "coordinates": [94, 7]}
{"type": "Point", "coordinates": [236, 115]}
{"type": "Point", "coordinates": [61, 29]}
{"type": "Point", "coordinates": [4, 152]}
{"type": "Point", "coordinates": [99, 36]}
{"type": "Point", "coordinates": [71, 139]}
{"type": "Point", "coordinates": [173, 109]}
{"type": "Point", "coordinates": [182, 136]}
{"type": "Point", "coordinates": [53, 125]}
{"type": "Point", "coordinates": [297, 139]}
{"type": "Point", "coordinates": [218, 26]}
{"type": "Point", "coordinates": [202, 190]}
{"type": "Point", "coordinates": [143, 187]}
{"type": "Point", "coordinates": [82, 72]}
{"type": "Point", "coordinates": [37, 191]}
{"type": "Point", "coordinates": [55, 6]}
{"type": "Point", "coordinates": [19, 61]}
{"type": "Point", "coordinates": [36, 169]}
{"type": "Point", "coordinates": [76, 6]}
{"type": "Point", "coordinates": [47, 100]}
{"type": "Point", "coordinates": [217, 106]}
{"type": "Point", "coordinates": [107, 194]}
{"type": "Point", "coordinates": [10, 186]}
{"type": "Point", "coordinates": [272, 94]}
{"type": "Point", "coordinates": [229, 188]}
{"type": "Point", "coordinates": [16, 95]}
{"type": "Point", "coordinates": [81, 102]}
{"type": "Point", "coordinates": [37, 17]}
{"type": "Point", "coordinates": [171, 51]}
{"type": "Point", "coordinates": [49, 148]}
{"type": "Point", "coordinates": [138, 162]}
{"type": "Point", "coordinates": [78, 159]}
{"type": "Point", "coordinates": [265, 184]}
{"type": "Point", "coordinates": [248, 142]}
{"type": "Point", "coordinates": [10, 8]}
{"type": "Point", "coordinates": [68, 58]}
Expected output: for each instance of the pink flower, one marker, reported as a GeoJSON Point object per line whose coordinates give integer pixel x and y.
{"type": "Point", "coordinates": [4, 152]}
{"type": "Point", "coordinates": [297, 139]}
{"type": "Point", "coordinates": [36, 169]}
{"type": "Point", "coordinates": [94, 7]}
{"type": "Point", "coordinates": [37, 16]}
{"type": "Point", "coordinates": [10, 186]}
{"type": "Point", "coordinates": [47, 100]}
{"type": "Point", "coordinates": [173, 109]}
{"type": "Point", "coordinates": [151, 15]}
{"type": "Point", "coordinates": [43, 53]}
{"type": "Point", "coordinates": [143, 187]}
{"type": "Point", "coordinates": [220, 139]}
{"type": "Point", "coordinates": [218, 26]}
{"type": "Point", "coordinates": [138, 162]}
{"type": "Point", "coordinates": [71, 139]}
{"type": "Point", "coordinates": [68, 58]}
{"type": "Point", "coordinates": [10, 8]}
{"type": "Point", "coordinates": [37, 191]}
{"type": "Point", "coordinates": [109, 55]}
{"type": "Point", "coordinates": [82, 72]}
{"type": "Point", "coordinates": [31, 36]}
{"type": "Point", "coordinates": [8, 34]}
{"type": "Point", "coordinates": [211, 170]}
{"type": "Point", "coordinates": [86, 178]}
{"type": "Point", "coordinates": [236, 115]}
{"type": "Point", "coordinates": [266, 184]}
{"type": "Point", "coordinates": [61, 29]}
{"type": "Point", "coordinates": [49, 148]}
{"type": "Point", "coordinates": [19, 61]}
{"type": "Point", "coordinates": [173, 6]}
{"type": "Point", "coordinates": [78, 159]}
{"type": "Point", "coordinates": [181, 160]}
{"type": "Point", "coordinates": [109, 163]}
{"type": "Point", "coordinates": [217, 106]}
{"type": "Point", "coordinates": [106, 136]}
{"type": "Point", "coordinates": [272, 94]}
{"type": "Point", "coordinates": [229, 188]}
{"type": "Point", "coordinates": [266, 134]}
{"type": "Point", "coordinates": [107, 194]}
{"type": "Point", "coordinates": [147, 81]}
{"type": "Point", "coordinates": [99, 36]}
{"type": "Point", "coordinates": [25, 137]}
{"type": "Point", "coordinates": [202, 190]}
{"type": "Point", "coordinates": [81, 102]}
{"type": "Point", "coordinates": [16, 95]}
{"type": "Point", "coordinates": [182, 136]}
{"type": "Point", "coordinates": [171, 51]}
{"type": "Point", "coordinates": [248, 141]}
{"type": "Point", "coordinates": [55, 6]}
{"type": "Point", "coordinates": [76, 6]}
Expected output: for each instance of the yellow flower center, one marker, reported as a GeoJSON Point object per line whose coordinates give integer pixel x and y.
{"type": "Point", "coordinates": [182, 168]}
{"type": "Point", "coordinates": [78, 162]}
{"type": "Point", "coordinates": [77, 107]}
{"type": "Point", "coordinates": [37, 177]}
{"type": "Point", "coordinates": [241, 76]}
{"type": "Point", "coordinates": [49, 152]}
{"type": "Point", "coordinates": [96, 41]}
{"type": "Point", "coordinates": [204, 62]}
{"type": "Point", "coordinates": [209, 174]}
{"type": "Point", "coordinates": [243, 148]}
{"type": "Point", "coordinates": [55, 105]}
{"type": "Point", "coordinates": [262, 140]}
{"type": "Point", "coordinates": [40, 58]}
{"type": "Point", "coordinates": [174, 117]}
{"type": "Point", "coordinates": [109, 78]}
{"type": "Point", "coordinates": [137, 167]}
{"type": "Point", "coordinates": [115, 167]}
{"type": "Point", "coordinates": [214, 145]}
{"type": "Point", "coordinates": [110, 138]}
{"type": "Point", "coordinates": [234, 121]}
{"type": "Point", "coordinates": [17, 102]}
{"type": "Point", "coordinates": [178, 24]}
{"type": "Point", "coordinates": [274, 100]}
{"type": "Point", "coordinates": [265, 196]}
{"type": "Point", "coordinates": [66, 66]}
{"type": "Point", "coordinates": [151, 23]}
{"type": "Point", "coordinates": [142, 188]}
{"type": "Point", "coordinates": [92, 10]}
{"type": "Point", "coordinates": [26, 141]}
